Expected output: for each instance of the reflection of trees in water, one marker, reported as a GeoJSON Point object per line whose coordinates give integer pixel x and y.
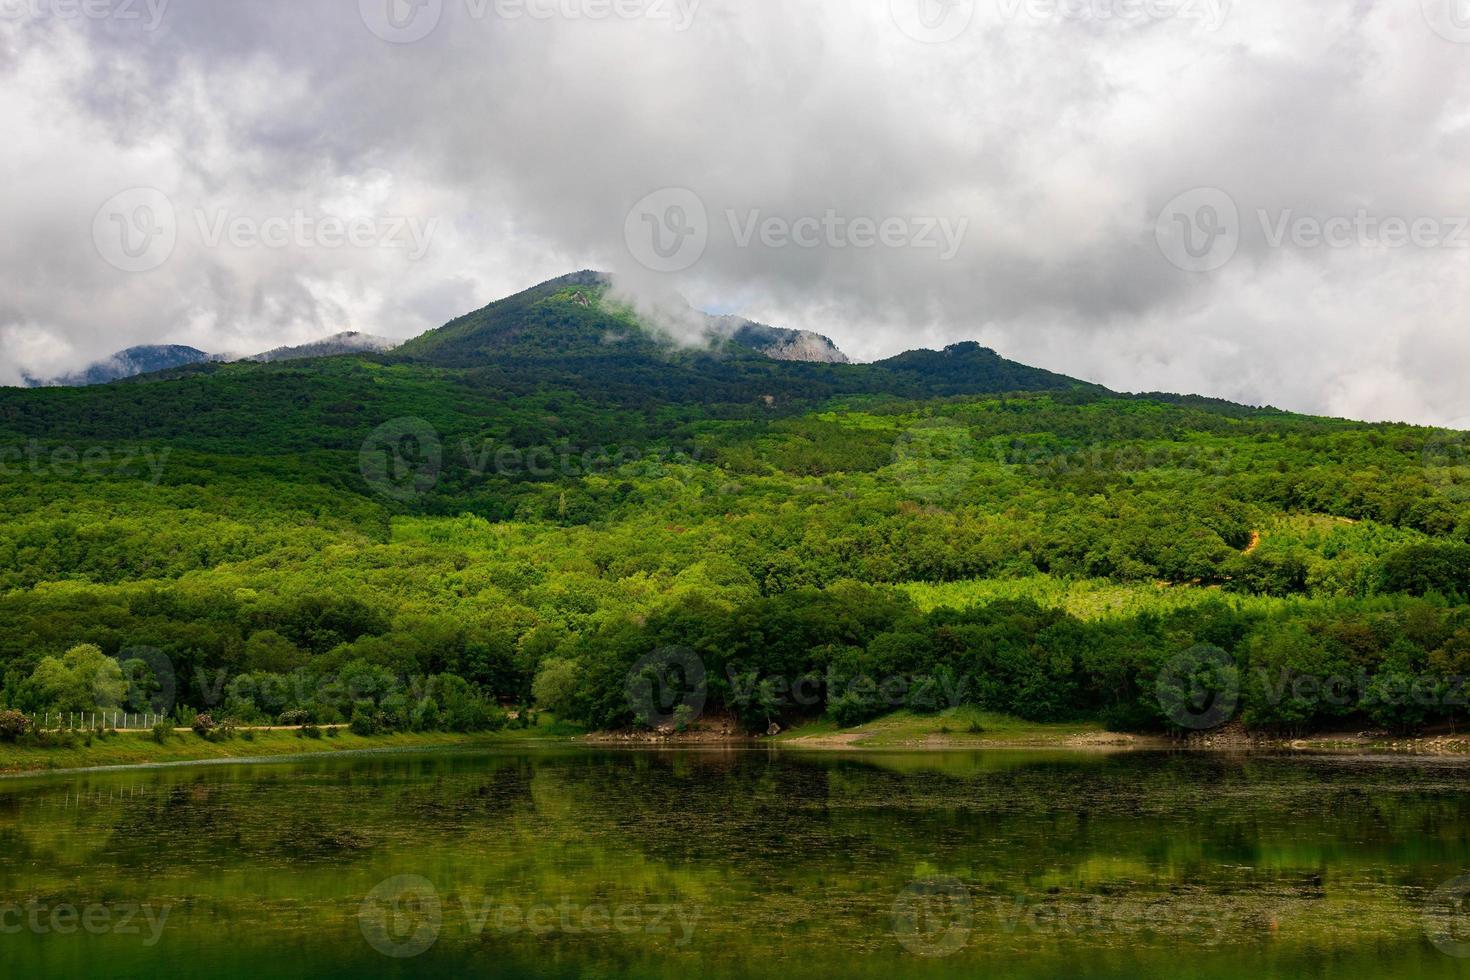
{"type": "Point", "coordinates": [1210, 848]}
{"type": "Point", "coordinates": [1196, 818]}
{"type": "Point", "coordinates": [262, 814]}
{"type": "Point", "coordinates": [780, 843]}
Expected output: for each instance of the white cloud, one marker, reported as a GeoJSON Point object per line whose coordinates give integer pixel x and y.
{"type": "Point", "coordinates": [527, 140]}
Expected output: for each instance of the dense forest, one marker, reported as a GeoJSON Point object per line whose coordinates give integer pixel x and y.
{"type": "Point", "coordinates": [520, 508]}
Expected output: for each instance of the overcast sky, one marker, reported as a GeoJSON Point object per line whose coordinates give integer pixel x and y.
{"type": "Point", "coordinates": [1110, 188]}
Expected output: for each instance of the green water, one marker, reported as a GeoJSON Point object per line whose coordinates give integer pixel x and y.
{"type": "Point", "coordinates": [574, 863]}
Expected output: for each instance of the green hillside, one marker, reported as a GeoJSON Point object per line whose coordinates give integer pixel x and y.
{"type": "Point", "coordinates": [539, 495]}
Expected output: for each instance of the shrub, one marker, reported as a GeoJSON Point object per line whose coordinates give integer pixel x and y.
{"type": "Point", "coordinates": [851, 708]}
{"type": "Point", "coordinates": [426, 716]}
{"type": "Point", "coordinates": [46, 740]}
{"type": "Point", "coordinates": [203, 725]}
{"type": "Point", "coordinates": [162, 729]}
{"type": "Point", "coordinates": [1398, 700]}
{"type": "Point", "coordinates": [1430, 567]}
{"type": "Point", "coordinates": [13, 725]}
{"type": "Point", "coordinates": [294, 718]}
{"type": "Point", "coordinates": [309, 731]}
{"type": "Point", "coordinates": [243, 709]}
{"type": "Point", "coordinates": [394, 714]}
{"type": "Point", "coordinates": [362, 724]}
{"type": "Point", "coordinates": [325, 714]}
{"type": "Point", "coordinates": [558, 687]}
{"type": "Point", "coordinates": [525, 717]}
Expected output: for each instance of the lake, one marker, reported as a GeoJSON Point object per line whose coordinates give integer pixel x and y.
{"type": "Point", "coordinates": [572, 862]}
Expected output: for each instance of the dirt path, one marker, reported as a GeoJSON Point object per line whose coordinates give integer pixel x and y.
{"type": "Point", "coordinates": [186, 728]}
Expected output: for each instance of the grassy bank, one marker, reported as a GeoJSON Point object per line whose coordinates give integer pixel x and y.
{"type": "Point", "coordinates": [969, 728]}
{"type": "Point", "coordinates": [139, 748]}
{"type": "Point", "coordinates": [962, 727]}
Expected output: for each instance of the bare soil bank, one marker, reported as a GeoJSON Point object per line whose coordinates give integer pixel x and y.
{"type": "Point", "coordinates": [884, 734]}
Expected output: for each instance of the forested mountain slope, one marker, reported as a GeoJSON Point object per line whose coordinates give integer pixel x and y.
{"type": "Point", "coordinates": [541, 493]}
{"type": "Point", "coordinates": [127, 364]}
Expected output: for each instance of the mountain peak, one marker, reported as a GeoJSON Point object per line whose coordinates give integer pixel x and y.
{"type": "Point", "coordinates": [783, 344]}
{"type": "Point", "coordinates": [129, 363]}
{"type": "Point", "coordinates": [586, 313]}
{"type": "Point", "coordinates": [347, 342]}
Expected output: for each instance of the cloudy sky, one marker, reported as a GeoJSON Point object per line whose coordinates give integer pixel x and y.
{"type": "Point", "coordinates": [1260, 200]}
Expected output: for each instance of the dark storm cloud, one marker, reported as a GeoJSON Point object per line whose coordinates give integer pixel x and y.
{"type": "Point", "coordinates": [1049, 139]}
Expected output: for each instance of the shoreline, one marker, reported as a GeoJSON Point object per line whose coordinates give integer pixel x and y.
{"type": "Point", "coordinates": [903, 731]}
{"type": "Point", "coordinates": [136, 750]}
{"type": "Point", "coordinates": [1315, 744]}
{"type": "Point", "coordinates": [1142, 743]}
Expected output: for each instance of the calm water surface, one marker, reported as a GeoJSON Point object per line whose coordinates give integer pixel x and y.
{"type": "Point", "coordinates": [578, 863]}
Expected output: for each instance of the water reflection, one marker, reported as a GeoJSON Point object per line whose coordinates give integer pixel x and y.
{"type": "Point", "coordinates": [747, 862]}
